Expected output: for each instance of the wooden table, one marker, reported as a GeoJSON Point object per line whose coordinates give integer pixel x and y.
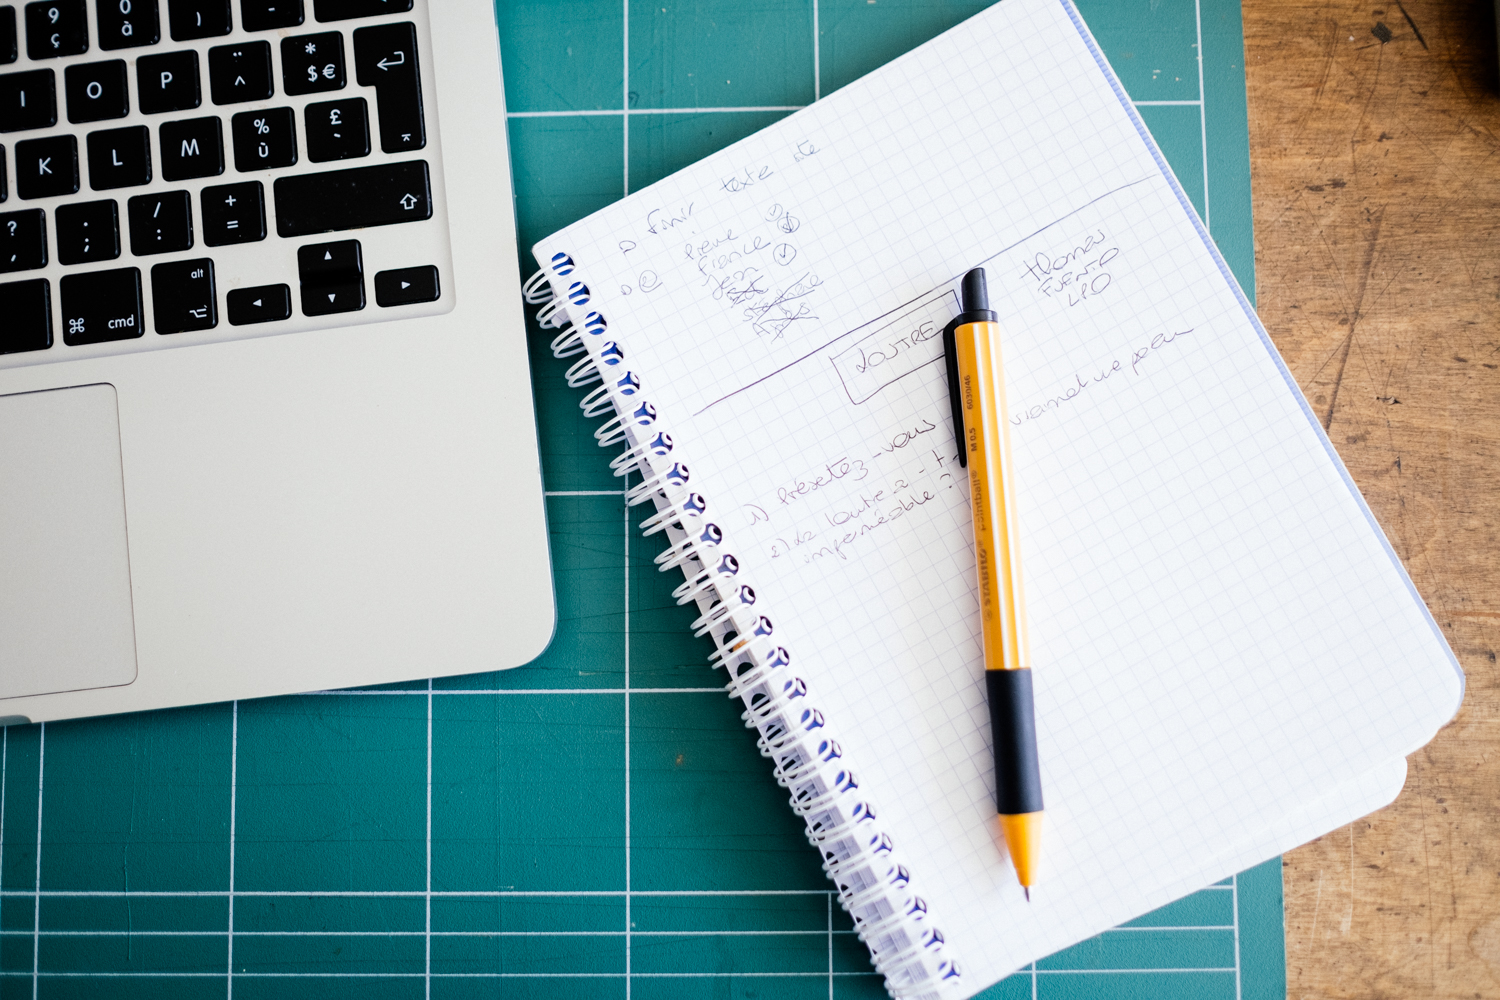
{"type": "Point", "coordinates": [1375, 155]}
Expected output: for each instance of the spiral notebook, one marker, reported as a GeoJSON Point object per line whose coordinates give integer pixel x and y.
{"type": "Point", "coordinates": [1229, 658]}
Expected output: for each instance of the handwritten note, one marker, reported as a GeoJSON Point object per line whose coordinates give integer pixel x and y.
{"type": "Point", "coordinates": [896, 349]}
{"type": "Point", "coordinates": [1220, 632]}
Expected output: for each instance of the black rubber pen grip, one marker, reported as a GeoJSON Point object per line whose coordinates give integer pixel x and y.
{"type": "Point", "coordinates": [1018, 776]}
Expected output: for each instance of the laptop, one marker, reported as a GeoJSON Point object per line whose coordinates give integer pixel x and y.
{"type": "Point", "coordinates": [266, 421]}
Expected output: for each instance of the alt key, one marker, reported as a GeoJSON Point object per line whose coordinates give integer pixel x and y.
{"type": "Point", "coordinates": [261, 304]}
{"type": "Point", "coordinates": [183, 296]}
{"type": "Point", "coordinates": [407, 286]}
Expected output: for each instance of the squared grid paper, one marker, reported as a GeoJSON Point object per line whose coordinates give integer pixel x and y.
{"type": "Point", "coordinates": [596, 824]}
{"type": "Point", "coordinates": [1158, 762]}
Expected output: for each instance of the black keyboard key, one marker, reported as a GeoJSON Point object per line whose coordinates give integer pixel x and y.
{"type": "Point", "coordinates": [234, 213]}
{"type": "Point", "coordinates": [264, 139]}
{"type": "Point", "coordinates": [385, 57]}
{"type": "Point", "coordinates": [160, 223]}
{"type": "Point", "coordinates": [7, 35]}
{"type": "Point", "coordinates": [191, 148]}
{"type": "Point", "coordinates": [332, 276]}
{"type": "Point", "coordinates": [343, 10]}
{"type": "Point", "coordinates": [124, 24]}
{"type": "Point", "coordinates": [382, 195]}
{"type": "Point", "coordinates": [27, 308]}
{"type": "Point", "coordinates": [47, 167]}
{"type": "Point", "coordinates": [312, 64]}
{"type": "Point", "coordinates": [87, 232]}
{"type": "Point", "coordinates": [23, 240]}
{"type": "Point", "coordinates": [183, 299]}
{"type": "Point", "coordinates": [189, 19]}
{"type": "Point", "coordinates": [119, 157]}
{"type": "Point", "coordinates": [168, 82]}
{"type": "Point", "coordinates": [337, 130]}
{"type": "Point", "coordinates": [407, 286]}
{"type": "Point", "coordinates": [56, 28]}
{"type": "Point", "coordinates": [4, 186]}
{"type": "Point", "coordinates": [102, 306]}
{"type": "Point", "coordinates": [96, 91]}
{"type": "Point", "coordinates": [28, 100]}
{"type": "Point", "coordinates": [239, 73]}
{"type": "Point", "coordinates": [261, 304]}
{"type": "Point", "coordinates": [263, 15]}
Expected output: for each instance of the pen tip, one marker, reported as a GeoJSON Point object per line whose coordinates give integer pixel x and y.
{"type": "Point", "coordinates": [1027, 889]}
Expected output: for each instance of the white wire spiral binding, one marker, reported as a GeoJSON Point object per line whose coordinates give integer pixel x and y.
{"type": "Point", "coordinates": [552, 314]}
{"type": "Point", "coordinates": [792, 732]}
{"type": "Point", "coordinates": [568, 343]}
{"type": "Point", "coordinates": [537, 290]}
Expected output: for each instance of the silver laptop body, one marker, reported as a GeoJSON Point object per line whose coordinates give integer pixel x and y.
{"type": "Point", "coordinates": [304, 456]}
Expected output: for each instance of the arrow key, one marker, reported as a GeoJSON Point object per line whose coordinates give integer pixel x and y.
{"type": "Point", "coordinates": [260, 304]}
{"type": "Point", "coordinates": [407, 286]}
{"type": "Point", "coordinates": [333, 278]}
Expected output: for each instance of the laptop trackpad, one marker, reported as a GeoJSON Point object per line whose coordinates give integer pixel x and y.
{"type": "Point", "coordinates": [65, 609]}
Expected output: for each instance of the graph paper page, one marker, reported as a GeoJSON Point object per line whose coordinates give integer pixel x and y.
{"type": "Point", "coordinates": [1221, 634]}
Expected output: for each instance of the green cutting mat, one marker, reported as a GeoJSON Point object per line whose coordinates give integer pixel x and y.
{"type": "Point", "coordinates": [598, 824]}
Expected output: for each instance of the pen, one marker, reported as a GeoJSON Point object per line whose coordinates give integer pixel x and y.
{"type": "Point", "coordinates": [976, 390]}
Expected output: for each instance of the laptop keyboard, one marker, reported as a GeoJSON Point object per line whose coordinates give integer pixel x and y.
{"type": "Point", "coordinates": [206, 170]}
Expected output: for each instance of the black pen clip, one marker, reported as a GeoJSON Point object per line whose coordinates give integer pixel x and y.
{"type": "Point", "coordinates": [976, 303]}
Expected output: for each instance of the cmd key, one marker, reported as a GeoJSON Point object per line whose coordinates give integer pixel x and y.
{"type": "Point", "coordinates": [102, 306]}
{"type": "Point", "coordinates": [382, 195]}
{"type": "Point", "coordinates": [385, 57]}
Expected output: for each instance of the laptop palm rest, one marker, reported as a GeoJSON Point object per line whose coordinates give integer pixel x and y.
{"type": "Point", "coordinates": [65, 606]}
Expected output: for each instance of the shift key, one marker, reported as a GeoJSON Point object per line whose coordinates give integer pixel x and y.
{"type": "Point", "coordinates": [332, 202]}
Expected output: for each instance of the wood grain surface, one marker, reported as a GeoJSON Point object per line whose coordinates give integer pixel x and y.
{"type": "Point", "coordinates": [1375, 158]}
